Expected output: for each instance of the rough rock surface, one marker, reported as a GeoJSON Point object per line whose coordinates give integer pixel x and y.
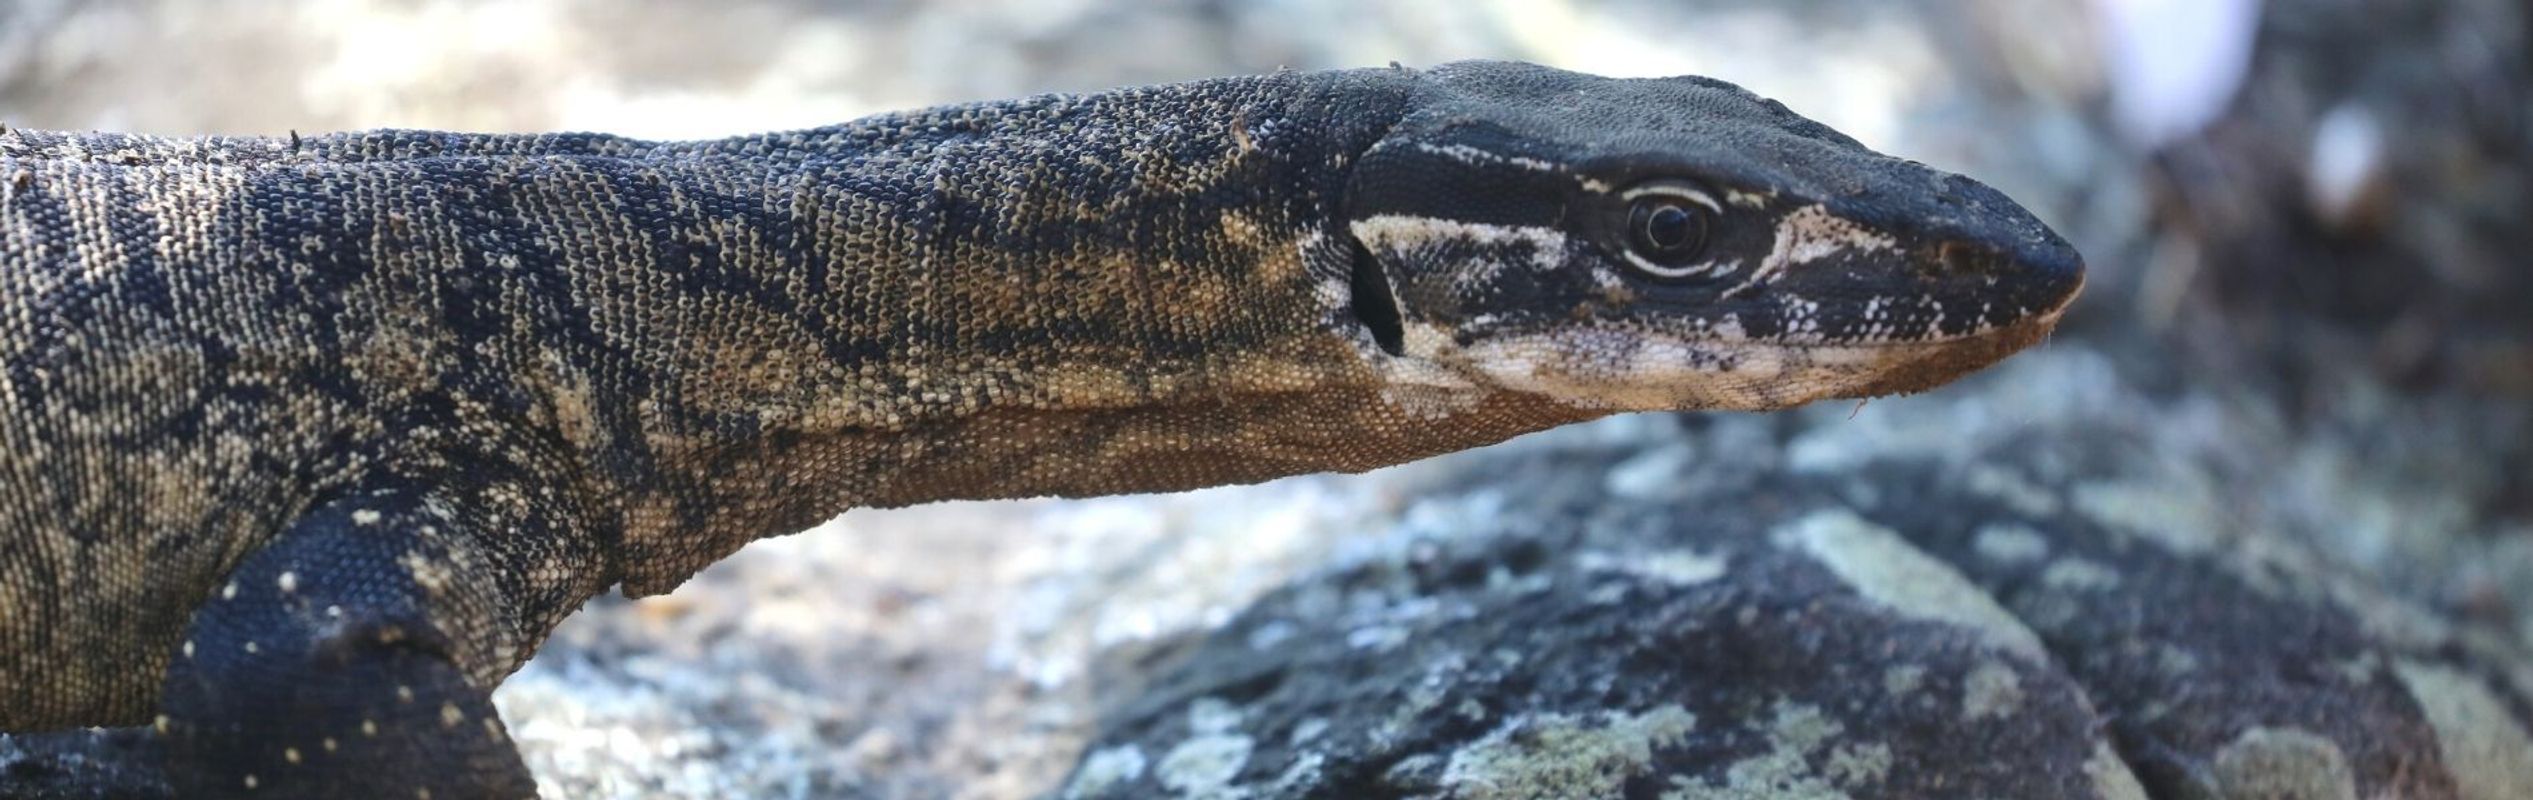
{"type": "Point", "coordinates": [1943, 601]}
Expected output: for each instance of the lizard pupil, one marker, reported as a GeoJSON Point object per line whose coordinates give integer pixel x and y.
{"type": "Point", "coordinates": [1666, 230]}
{"type": "Point", "coordinates": [1669, 227]}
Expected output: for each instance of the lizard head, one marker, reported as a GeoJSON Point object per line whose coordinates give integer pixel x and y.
{"type": "Point", "coordinates": [1680, 243]}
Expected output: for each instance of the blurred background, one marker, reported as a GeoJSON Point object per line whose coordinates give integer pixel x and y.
{"type": "Point", "coordinates": [2309, 222]}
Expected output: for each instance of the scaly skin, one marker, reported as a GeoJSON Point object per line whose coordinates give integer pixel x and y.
{"type": "Point", "coordinates": [305, 445]}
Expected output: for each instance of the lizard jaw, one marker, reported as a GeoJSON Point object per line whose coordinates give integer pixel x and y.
{"type": "Point", "coordinates": [1634, 370]}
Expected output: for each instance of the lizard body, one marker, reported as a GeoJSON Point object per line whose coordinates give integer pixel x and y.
{"type": "Point", "coordinates": [346, 424]}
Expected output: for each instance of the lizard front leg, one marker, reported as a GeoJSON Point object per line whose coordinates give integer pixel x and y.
{"type": "Point", "coordinates": [350, 655]}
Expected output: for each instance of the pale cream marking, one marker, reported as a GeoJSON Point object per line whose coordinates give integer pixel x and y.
{"type": "Point", "coordinates": [1709, 267]}
{"type": "Point", "coordinates": [1750, 200]}
{"type": "Point", "coordinates": [1419, 383]}
{"type": "Point", "coordinates": [1802, 321]}
{"type": "Point", "coordinates": [1426, 340]}
{"type": "Point", "coordinates": [428, 574]}
{"type": "Point", "coordinates": [1810, 234]}
{"type": "Point", "coordinates": [1607, 279]}
{"type": "Point", "coordinates": [1617, 369]}
{"type": "Point", "coordinates": [1399, 233]}
{"type": "Point", "coordinates": [1730, 329]}
{"type": "Point", "coordinates": [1471, 155]}
{"type": "Point", "coordinates": [1239, 227]}
{"type": "Point", "coordinates": [1675, 190]}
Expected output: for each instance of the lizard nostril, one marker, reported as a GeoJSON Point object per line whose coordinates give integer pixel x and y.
{"type": "Point", "coordinates": [1955, 258]}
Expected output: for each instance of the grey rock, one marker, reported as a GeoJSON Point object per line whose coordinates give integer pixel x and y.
{"type": "Point", "coordinates": [2060, 609]}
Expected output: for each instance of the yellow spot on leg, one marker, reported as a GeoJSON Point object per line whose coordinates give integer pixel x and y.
{"type": "Point", "coordinates": [250, 647]}
{"type": "Point", "coordinates": [289, 581]}
{"type": "Point", "coordinates": [290, 754]}
{"type": "Point", "coordinates": [404, 693]}
{"type": "Point", "coordinates": [329, 744]}
{"type": "Point", "coordinates": [250, 781]}
{"type": "Point", "coordinates": [450, 716]}
{"type": "Point", "coordinates": [160, 724]}
{"type": "Point", "coordinates": [364, 517]}
{"type": "Point", "coordinates": [369, 727]}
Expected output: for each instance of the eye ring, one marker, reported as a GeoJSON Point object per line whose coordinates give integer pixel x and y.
{"type": "Point", "coordinates": [1668, 225]}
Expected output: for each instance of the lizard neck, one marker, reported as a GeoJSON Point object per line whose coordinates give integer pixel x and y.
{"type": "Point", "coordinates": [1130, 292]}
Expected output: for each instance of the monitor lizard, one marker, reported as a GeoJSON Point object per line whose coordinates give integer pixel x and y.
{"type": "Point", "coordinates": [307, 443]}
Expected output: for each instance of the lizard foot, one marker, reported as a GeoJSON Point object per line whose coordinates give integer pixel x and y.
{"type": "Point", "coordinates": [318, 671]}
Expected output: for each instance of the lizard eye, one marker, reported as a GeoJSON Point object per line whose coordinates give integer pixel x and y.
{"type": "Point", "coordinates": [1667, 226]}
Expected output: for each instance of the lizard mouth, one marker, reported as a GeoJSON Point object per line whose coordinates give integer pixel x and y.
{"type": "Point", "coordinates": [1911, 367]}
{"type": "Point", "coordinates": [1613, 369]}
